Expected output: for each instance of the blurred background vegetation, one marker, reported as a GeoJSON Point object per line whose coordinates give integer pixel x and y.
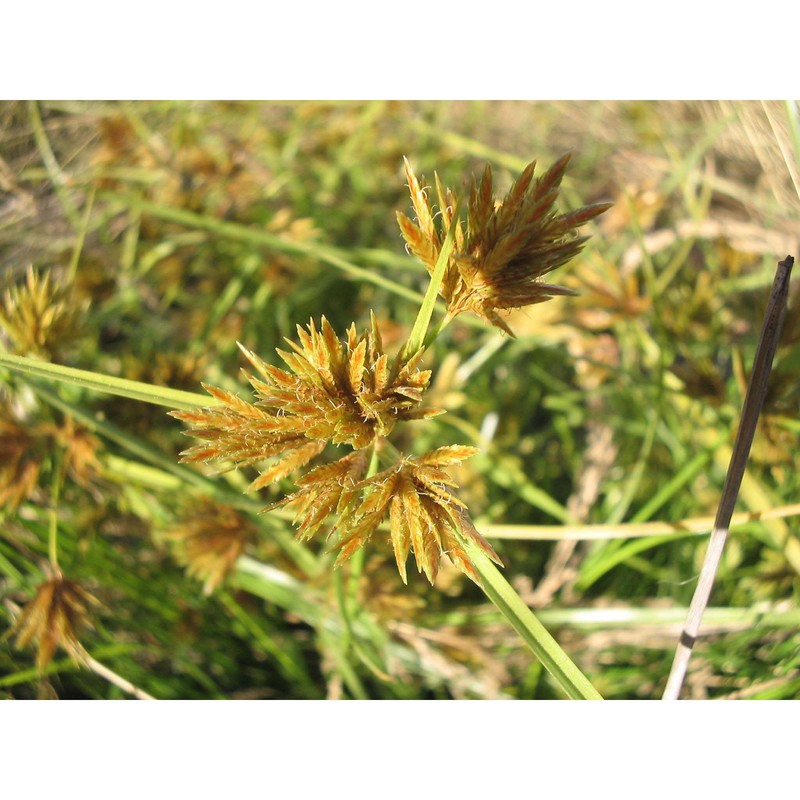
{"type": "Point", "coordinates": [160, 233]}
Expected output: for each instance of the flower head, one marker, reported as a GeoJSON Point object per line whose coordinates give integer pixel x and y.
{"type": "Point", "coordinates": [41, 317]}
{"type": "Point", "coordinates": [425, 517]}
{"type": "Point", "coordinates": [339, 392]}
{"type": "Point", "coordinates": [508, 245]}
{"type": "Point", "coordinates": [209, 541]}
{"type": "Point", "coordinates": [20, 463]}
{"type": "Point", "coordinates": [54, 618]}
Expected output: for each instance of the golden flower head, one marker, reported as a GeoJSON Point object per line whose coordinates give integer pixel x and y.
{"type": "Point", "coordinates": [209, 540]}
{"type": "Point", "coordinates": [39, 317]}
{"type": "Point", "coordinates": [339, 392]}
{"type": "Point", "coordinates": [54, 618]}
{"type": "Point", "coordinates": [425, 517]}
{"type": "Point", "coordinates": [508, 245]}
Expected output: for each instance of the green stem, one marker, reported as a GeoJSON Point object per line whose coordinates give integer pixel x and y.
{"type": "Point", "coordinates": [58, 477]}
{"type": "Point", "coordinates": [435, 332]}
{"type": "Point", "coordinates": [347, 592]}
{"type": "Point", "coordinates": [52, 166]}
{"type": "Point", "coordinates": [417, 338]}
{"type": "Point", "coordinates": [78, 249]}
{"type": "Point", "coordinates": [522, 619]}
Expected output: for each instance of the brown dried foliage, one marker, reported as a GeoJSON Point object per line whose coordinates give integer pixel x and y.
{"type": "Point", "coordinates": [508, 245]}
{"type": "Point", "coordinates": [20, 464]}
{"type": "Point", "coordinates": [55, 618]}
{"type": "Point", "coordinates": [209, 540]}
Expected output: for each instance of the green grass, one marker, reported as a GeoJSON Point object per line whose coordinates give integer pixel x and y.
{"type": "Point", "coordinates": [189, 226]}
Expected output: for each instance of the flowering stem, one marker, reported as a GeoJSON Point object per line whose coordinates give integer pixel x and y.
{"type": "Point", "coordinates": [117, 680]}
{"type": "Point", "coordinates": [522, 619]}
{"type": "Point", "coordinates": [417, 338]}
{"type": "Point", "coordinates": [435, 332]}
{"type": "Point", "coordinates": [53, 530]}
{"type": "Point", "coordinates": [357, 561]}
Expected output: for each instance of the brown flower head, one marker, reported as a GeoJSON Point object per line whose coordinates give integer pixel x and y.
{"type": "Point", "coordinates": [54, 618]}
{"type": "Point", "coordinates": [23, 448]}
{"type": "Point", "coordinates": [209, 541]}
{"type": "Point", "coordinates": [425, 517]}
{"type": "Point", "coordinates": [338, 392]}
{"type": "Point", "coordinates": [41, 318]}
{"type": "Point", "coordinates": [20, 462]}
{"type": "Point", "coordinates": [508, 245]}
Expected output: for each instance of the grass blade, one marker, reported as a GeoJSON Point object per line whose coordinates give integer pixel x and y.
{"type": "Point", "coordinates": [97, 382]}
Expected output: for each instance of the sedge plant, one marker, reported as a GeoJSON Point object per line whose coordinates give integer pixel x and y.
{"type": "Point", "coordinates": [343, 393]}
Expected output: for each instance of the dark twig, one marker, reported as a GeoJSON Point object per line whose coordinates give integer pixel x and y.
{"type": "Point", "coordinates": [753, 401]}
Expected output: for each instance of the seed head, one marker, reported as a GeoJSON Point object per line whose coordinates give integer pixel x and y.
{"type": "Point", "coordinates": [209, 541]}
{"type": "Point", "coordinates": [41, 318]}
{"type": "Point", "coordinates": [508, 245]}
{"type": "Point", "coordinates": [54, 618]}
{"type": "Point", "coordinates": [425, 517]}
{"type": "Point", "coordinates": [343, 392]}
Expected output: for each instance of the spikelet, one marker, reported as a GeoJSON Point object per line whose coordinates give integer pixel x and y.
{"type": "Point", "coordinates": [425, 517]}
{"type": "Point", "coordinates": [326, 490]}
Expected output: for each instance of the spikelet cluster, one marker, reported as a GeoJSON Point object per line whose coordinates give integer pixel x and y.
{"type": "Point", "coordinates": [55, 618]}
{"type": "Point", "coordinates": [346, 392]}
{"type": "Point", "coordinates": [208, 541]}
{"type": "Point", "coordinates": [424, 514]}
{"type": "Point", "coordinates": [343, 393]}
{"type": "Point", "coordinates": [23, 449]}
{"type": "Point", "coordinates": [40, 317]}
{"type": "Point", "coordinates": [508, 245]}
